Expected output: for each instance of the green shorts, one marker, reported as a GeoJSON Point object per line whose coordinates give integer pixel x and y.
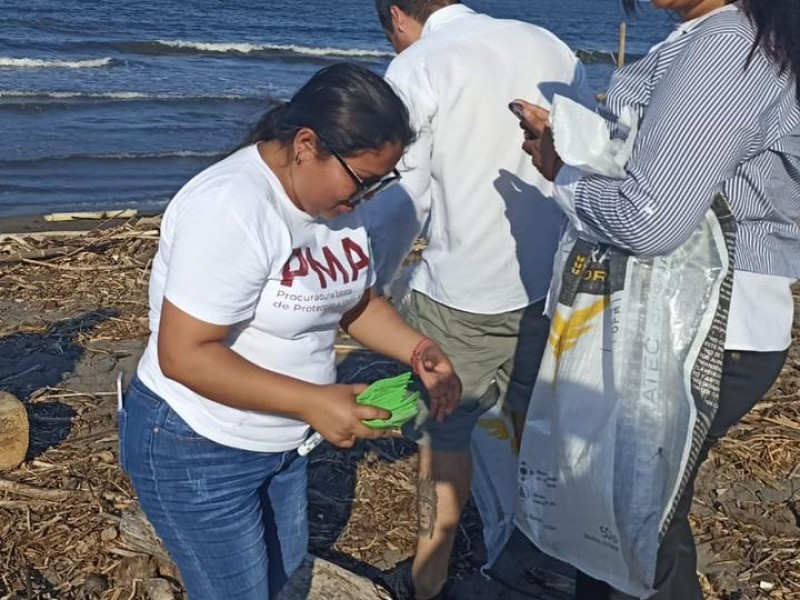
{"type": "Point", "coordinates": [496, 356]}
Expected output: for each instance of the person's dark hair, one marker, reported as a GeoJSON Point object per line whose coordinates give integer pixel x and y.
{"type": "Point", "coordinates": [777, 31]}
{"type": "Point", "coordinates": [778, 25]}
{"type": "Point", "coordinates": [419, 10]}
{"type": "Point", "coordinates": [350, 108]}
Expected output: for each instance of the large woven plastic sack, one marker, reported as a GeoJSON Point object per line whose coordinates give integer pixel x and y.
{"type": "Point", "coordinates": [626, 392]}
{"type": "Point", "coordinates": [495, 449]}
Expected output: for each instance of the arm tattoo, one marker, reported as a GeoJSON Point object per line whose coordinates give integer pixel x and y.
{"type": "Point", "coordinates": [427, 501]}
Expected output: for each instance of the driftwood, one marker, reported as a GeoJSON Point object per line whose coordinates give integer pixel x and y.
{"type": "Point", "coordinates": [315, 579]}
{"type": "Point", "coordinates": [36, 493]}
{"type": "Point", "coordinates": [60, 267]}
{"type": "Point", "coordinates": [318, 579]}
{"type": "Point", "coordinates": [40, 253]}
{"type": "Point", "coordinates": [137, 535]}
{"type": "Point", "coordinates": [125, 213]}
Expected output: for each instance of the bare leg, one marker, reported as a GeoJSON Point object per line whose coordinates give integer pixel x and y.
{"type": "Point", "coordinates": [444, 485]}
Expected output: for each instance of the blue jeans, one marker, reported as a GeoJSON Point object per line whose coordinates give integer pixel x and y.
{"type": "Point", "coordinates": [234, 521]}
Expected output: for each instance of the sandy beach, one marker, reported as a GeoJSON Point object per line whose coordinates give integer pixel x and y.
{"type": "Point", "coordinates": [74, 314]}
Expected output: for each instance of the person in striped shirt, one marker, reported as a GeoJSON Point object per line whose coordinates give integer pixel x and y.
{"type": "Point", "coordinates": [719, 110]}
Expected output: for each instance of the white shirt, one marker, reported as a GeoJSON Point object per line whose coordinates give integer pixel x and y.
{"type": "Point", "coordinates": [491, 230]}
{"type": "Point", "coordinates": [236, 251]}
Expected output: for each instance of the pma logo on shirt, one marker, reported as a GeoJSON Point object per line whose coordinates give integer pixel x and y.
{"type": "Point", "coordinates": [328, 267]}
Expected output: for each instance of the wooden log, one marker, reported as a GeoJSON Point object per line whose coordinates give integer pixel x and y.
{"type": "Point", "coordinates": [95, 215]}
{"type": "Point", "coordinates": [14, 432]}
{"type": "Point", "coordinates": [158, 589]}
{"type": "Point", "coordinates": [136, 534]}
{"type": "Point", "coordinates": [36, 254]}
{"type": "Point", "coordinates": [316, 579]}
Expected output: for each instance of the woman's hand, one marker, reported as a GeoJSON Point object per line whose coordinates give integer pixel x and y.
{"type": "Point", "coordinates": [378, 326]}
{"type": "Point", "coordinates": [337, 417]}
{"type": "Point", "coordinates": [440, 379]}
{"type": "Point", "coordinates": [539, 139]}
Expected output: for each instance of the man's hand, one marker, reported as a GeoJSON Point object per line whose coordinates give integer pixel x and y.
{"type": "Point", "coordinates": [440, 379]}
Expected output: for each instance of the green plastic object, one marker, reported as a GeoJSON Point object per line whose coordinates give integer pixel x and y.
{"type": "Point", "coordinates": [392, 395]}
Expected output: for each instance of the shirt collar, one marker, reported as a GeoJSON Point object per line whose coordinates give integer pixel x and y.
{"type": "Point", "coordinates": [444, 15]}
{"type": "Point", "coordinates": [687, 26]}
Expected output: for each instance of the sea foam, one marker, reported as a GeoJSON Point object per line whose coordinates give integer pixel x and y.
{"type": "Point", "coordinates": [249, 48]}
{"type": "Point", "coordinates": [39, 63]}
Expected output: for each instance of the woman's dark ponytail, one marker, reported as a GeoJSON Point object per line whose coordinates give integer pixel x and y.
{"type": "Point", "coordinates": [349, 107]}
{"type": "Point", "coordinates": [270, 126]}
{"type": "Point", "coordinates": [778, 25]}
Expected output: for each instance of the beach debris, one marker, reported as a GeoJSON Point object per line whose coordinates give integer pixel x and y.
{"type": "Point", "coordinates": [362, 502]}
{"type": "Point", "coordinates": [94, 585]}
{"type": "Point", "coordinates": [14, 432]}
{"type": "Point", "coordinates": [158, 589]}
{"type": "Point", "coordinates": [126, 213]}
{"type": "Point", "coordinates": [318, 578]}
{"type": "Point", "coordinates": [136, 534]}
{"type": "Point", "coordinates": [33, 255]}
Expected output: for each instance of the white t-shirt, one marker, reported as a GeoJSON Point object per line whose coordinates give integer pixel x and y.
{"type": "Point", "coordinates": [236, 251]}
{"type": "Point", "coordinates": [491, 228]}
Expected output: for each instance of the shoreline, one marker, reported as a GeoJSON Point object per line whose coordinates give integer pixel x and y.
{"type": "Point", "coordinates": [32, 224]}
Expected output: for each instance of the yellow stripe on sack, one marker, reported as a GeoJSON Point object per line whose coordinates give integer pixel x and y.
{"type": "Point", "coordinates": [565, 334]}
{"type": "Point", "coordinates": [498, 429]}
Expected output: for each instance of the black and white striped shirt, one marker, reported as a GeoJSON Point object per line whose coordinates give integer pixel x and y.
{"type": "Point", "coordinates": [707, 123]}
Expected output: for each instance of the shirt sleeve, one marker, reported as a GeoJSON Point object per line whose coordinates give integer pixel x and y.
{"type": "Point", "coordinates": [396, 217]}
{"type": "Point", "coordinates": [701, 124]}
{"type": "Point", "coordinates": [217, 266]}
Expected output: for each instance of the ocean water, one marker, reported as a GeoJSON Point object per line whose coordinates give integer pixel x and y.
{"type": "Point", "coordinates": [116, 103]}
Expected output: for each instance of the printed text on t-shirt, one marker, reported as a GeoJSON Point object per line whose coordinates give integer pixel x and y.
{"type": "Point", "coordinates": [302, 262]}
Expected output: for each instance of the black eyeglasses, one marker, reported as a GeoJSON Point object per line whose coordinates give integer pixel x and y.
{"type": "Point", "coordinates": [364, 191]}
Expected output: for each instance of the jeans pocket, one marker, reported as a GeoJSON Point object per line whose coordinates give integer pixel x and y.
{"type": "Point", "coordinates": [174, 427]}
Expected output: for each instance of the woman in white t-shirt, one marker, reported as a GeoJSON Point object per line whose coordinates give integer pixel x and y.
{"type": "Point", "coordinates": [262, 257]}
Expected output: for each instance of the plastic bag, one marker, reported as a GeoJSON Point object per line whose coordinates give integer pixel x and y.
{"type": "Point", "coordinates": [626, 392]}
{"type": "Point", "coordinates": [582, 138]}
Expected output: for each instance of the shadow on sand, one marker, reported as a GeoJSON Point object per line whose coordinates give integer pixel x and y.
{"type": "Point", "coordinates": [32, 361]}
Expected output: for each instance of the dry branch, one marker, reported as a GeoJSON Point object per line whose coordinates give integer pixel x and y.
{"type": "Point", "coordinates": [33, 254]}
{"type": "Point", "coordinates": [14, 487]}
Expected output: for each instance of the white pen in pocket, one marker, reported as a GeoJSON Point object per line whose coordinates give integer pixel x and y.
{"type": "Point", "coordinates": [311, 442]}
{"type": "Point", "coordinates": [119, 391]}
